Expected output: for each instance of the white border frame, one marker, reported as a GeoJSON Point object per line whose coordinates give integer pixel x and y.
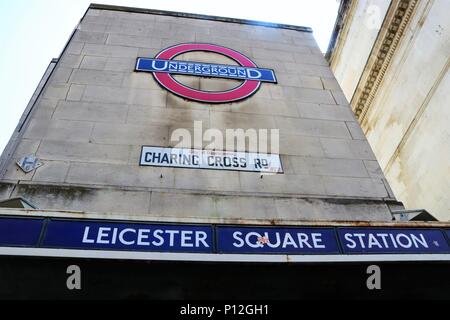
{"type": "Point", "coordinates": [237, 258]}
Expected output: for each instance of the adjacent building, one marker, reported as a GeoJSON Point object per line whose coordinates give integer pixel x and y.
{"type": "Point", "coordinates": [391, 59]}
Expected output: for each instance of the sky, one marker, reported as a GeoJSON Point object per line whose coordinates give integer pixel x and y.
{"type": "Point", "coordinates": [32, 32]}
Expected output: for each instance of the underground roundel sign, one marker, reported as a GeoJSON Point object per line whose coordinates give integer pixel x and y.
{"type": "Point", "coordinates": [165, 65]}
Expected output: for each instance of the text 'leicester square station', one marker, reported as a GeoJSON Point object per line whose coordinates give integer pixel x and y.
{"type": "Point", "coordinates": [181, 156]}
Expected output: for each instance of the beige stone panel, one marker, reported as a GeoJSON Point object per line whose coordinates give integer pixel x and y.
{"type": "Point", "coordinates": [324, 210]}
{"type": "Point", "coordinates": [182, 205]}
{"type": "Point", "coordinates": [282, 184]}
{"type": "Point", "coordinates": [96, 77]}
{"type": "Point", "coordinates": [131, 28]}
{"type": "Point", "coordinates": [300, 146]}
{"type": "Point", "coordinates": [109, 51]}
{"type": "Point", "coordinates": [133, 41]}
{"type": "Point", "coordinates": [283, 47]}
{"type": "Point", "coordinates": [219, 31]}
{"type": "Point", "coordinates": [75, 48]}
{"type": "Point", "coordinates": [59, 130]}
{"type": "Point", "coordinates": [52, 171]}
{"type": "Point", "coordinates": [240, 45]}
{"type": "Point", "coordinates": [123, 134]}
{"type": "Point", "coordinates": [312, 127]}
{"type": "Point", "coordinates": [14, 173]}
{"type": "Point", "coordinates": [90, 37]}
{"type": "Point", "coordinates": [224, 120]}
{"type": "Point", "coordinates": [264, 106]}
{"type": "Point", "coordinates": [245, 207]}
{"type": "Point", "coordinates": [112, 64]}
{"type": "Point", "coordinates": [72, 198]}
{"type": "Point", "coordinates": [148, 97]}
{"type": "Point", "coordinates": [294, 80]}
{"type": "Point", "coordinates": [27, 147]}
{"type": "Point", "coordinates": [140, 80]}
{"type": "Point", "coordinates": [88, 152]}
{"type": "Point", "coordinates": [308, 95]}
{"type": "Point", "coordinates": [130, 203]}
{"type": "Point", "coordinates": [325, 112]}
{"type": "Point", "coordinates": [355, 187]}
{"type": "Point", "coordinates": [206, 180]}
{"type": "Point", "coordinates": [44, 109]}
{"type": "Point", "coordinates": [120, 175]}
{"type": "Point", "coordinates": [61, 75]}
{"type": "Point", "coordinates": [271, 35]}
{"type": "Point", "coordinates": [92, 27]}
{"type": "Point", "coordinates": [306, 58]}
{"type": "Point", "coordinates": [277, 66]}
{"type": "Point", "coordinates": [167, 117]}
{"type": "Point", "coordinates": [276, 55]}
{"type": "Point", "coordinates": [95, 112]}
{"type": "Point", "coordinates": [56, 91]}
{"type": "Point", "coordinates": [308, 70]}
{"type": "Point", "coordinates": [347, 149]}
{"type": "Point", "coordinates": [76, 92]}
{"type": "Point", "coordinates": [70, 60]}
{"type": "Point", "coordinates": [328, 167]}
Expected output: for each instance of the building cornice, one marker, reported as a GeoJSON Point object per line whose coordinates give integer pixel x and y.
{"type": "Point", "coordinates": [199, 16]}
{"type": "Point", "coordinates": [341, 27]}
{"type": "Point", "coordinates": [389, 37]}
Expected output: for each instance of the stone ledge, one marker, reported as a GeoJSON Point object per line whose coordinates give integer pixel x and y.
{"type": "Point", "coordinates": [199, 16]}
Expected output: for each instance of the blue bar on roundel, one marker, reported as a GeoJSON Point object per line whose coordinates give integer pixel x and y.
{"type": "Point", "coordinates": [393, 241]}
{"type": "Point", "coordinates": [70, 234]}
{"type": "Point", "coordinates": [205, 70]}
{"type": "Point", "coordinates": [267, 240]}
{"type": "Point", "coordinates": [18, 232]}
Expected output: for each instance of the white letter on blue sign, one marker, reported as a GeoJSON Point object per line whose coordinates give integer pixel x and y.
{"type": "Point", "coordinates": [256, 75]}
{"type": "Point", "coordinates": [201, 237]}
{"type": "Point", "coordinates": [156, 68]}
{"type": "Point", "coordinates": [348, 237]}
{"type": "Point", "coordinates": [122, 237]}
{"type": "Point", "coordinates": [317, 240]}
{"type": "Point", "coordinates": [158, 235]}
{"type": "Point", "coordinates": [103, 233]}
{"type": "Point", "coordinates": [240, 242]}
{"type": "Point", "coordinates": [86, 235]}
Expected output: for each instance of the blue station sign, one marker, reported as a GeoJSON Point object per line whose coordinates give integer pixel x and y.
{"type": "Point", "coordinates": [277, 240]}
{"type": "Point", "coordinates": [129, 237]}
{"type": "Point", "coordinates": [222, 239]}
{"type": "Point", "coordinates": [20, 232]}
{"type": "Point", "coordinates": [366, 241]}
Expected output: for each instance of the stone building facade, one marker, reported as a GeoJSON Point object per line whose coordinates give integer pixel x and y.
{"type": "Point", "coordinates": [391, 59]}
{"type": "Point", "coordinates": [93, 114]}
{"type": "Point", "coordinates": [94, 206]}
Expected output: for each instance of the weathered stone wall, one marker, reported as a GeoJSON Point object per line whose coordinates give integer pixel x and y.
{"type": "Point", "coordinates": [407, 122]}
{"type": "Point", "coordinates": [96, 112]}
{"type": "Point", "coordinates": [356, 42]}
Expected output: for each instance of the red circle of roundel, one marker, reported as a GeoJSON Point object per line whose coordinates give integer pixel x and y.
{"type": "Point", "coordinates": [248, 88]}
